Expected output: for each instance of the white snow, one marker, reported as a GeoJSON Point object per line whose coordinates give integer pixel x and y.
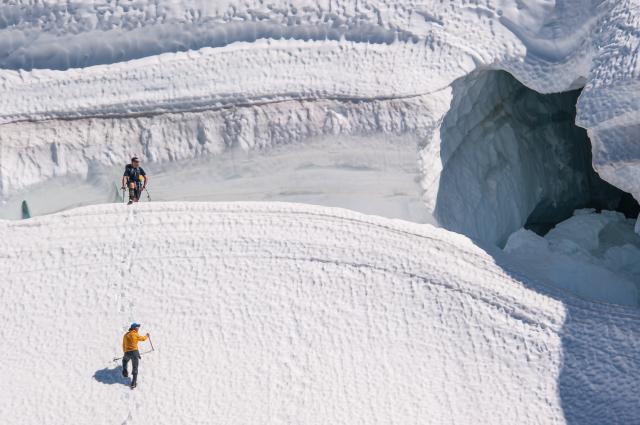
{"type": "Point", "coordinates": [282, 313]}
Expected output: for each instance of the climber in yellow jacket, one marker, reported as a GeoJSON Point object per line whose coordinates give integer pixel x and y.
{"type": "Point", "coordinates": [130, 348]}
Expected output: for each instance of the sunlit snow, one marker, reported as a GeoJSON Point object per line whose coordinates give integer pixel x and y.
{"type": "Point", "coordinates": [481, 266]}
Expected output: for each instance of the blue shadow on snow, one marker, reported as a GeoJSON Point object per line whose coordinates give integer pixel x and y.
{"type": "Point", "coordinates": [111, 376]}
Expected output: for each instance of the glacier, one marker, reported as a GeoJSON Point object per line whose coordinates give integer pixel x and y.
{"type": "Point", "coordinates": [512, 126]}
{"type": "Point", "coordinates": [547, 47]}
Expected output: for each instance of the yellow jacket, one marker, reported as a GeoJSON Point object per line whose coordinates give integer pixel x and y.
{"type": "Point", "coordinates": [130, 340]}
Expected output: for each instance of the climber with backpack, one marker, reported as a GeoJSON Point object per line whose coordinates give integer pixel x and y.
{"type": "Point", "coordinates": [135, 179]}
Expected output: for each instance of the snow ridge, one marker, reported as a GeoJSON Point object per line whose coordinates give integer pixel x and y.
{"type": "Point", "coordinates": [298, 313]}
{"type": "Point", "coordinates": [84, 50]}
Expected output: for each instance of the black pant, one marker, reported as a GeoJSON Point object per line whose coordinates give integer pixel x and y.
{"type": "Point", "coordinates": [134, 356]}
{"type": "Point", "coordinates": [134, 194]}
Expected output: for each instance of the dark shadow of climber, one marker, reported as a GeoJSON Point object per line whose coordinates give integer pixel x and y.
{"type": "Point", "coordinates": [111, 376]}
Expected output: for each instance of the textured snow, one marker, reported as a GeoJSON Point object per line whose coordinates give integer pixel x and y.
{"type": "Point", "coordinates": [284, 313]}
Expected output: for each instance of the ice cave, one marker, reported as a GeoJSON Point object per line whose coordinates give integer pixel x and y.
{"type": "Point", "coordinates": [517, 173]}
{"type": "Point", "coordinates": [514, 157]}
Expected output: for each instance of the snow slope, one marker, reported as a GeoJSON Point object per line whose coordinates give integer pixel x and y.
{"type": "Point", "coordinates": [281, 313]}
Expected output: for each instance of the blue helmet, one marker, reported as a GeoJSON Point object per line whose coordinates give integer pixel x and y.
{"type": "Point", "coordinates": [134, 325]}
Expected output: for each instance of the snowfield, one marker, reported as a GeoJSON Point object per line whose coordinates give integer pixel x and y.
{"type": "Point", "coordinates": [282, 313]}
{"type": "Point", "coordinates": [485, 117]}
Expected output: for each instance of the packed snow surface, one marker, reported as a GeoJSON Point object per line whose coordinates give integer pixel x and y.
{"type": "Point", "coordinates": [282, 313]}
{"type": "Point", "coordinates": [374, 175]}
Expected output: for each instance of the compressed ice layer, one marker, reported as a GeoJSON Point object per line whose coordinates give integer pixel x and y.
{"type": "Point", "coordinates": [29, 51]}
{"type": "Point", "coordinates": [512, 157]}
{"type": "Point", "coordinates": [610, 110]}
{"type": "Point", "coordinates": [452, 40]}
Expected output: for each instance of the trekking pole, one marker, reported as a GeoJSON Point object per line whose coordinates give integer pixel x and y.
{"type": "Point", "coordinates": [149, 200]}
{"type": "Point", "coordinates": [122, 188]}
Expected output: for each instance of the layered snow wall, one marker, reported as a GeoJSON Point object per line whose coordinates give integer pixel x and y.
{"type": "Point", "coordinates": [94, 60]}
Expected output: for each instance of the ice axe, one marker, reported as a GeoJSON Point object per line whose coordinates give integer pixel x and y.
{"type": "Point", "coordinates": [115, 359]}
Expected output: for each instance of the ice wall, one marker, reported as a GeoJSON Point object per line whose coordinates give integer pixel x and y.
{"type": "Point", "coordinates": [610, 106]}
{"type": "Point", "coordinates": [156, 65]}
{"type": "Point", "coordinates": [34, 152]}
{"type": "Point", "coordinates": [514, 157]}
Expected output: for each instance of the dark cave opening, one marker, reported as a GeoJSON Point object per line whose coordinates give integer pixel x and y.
{"type": "Point", "coordinates": [592, 192]}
